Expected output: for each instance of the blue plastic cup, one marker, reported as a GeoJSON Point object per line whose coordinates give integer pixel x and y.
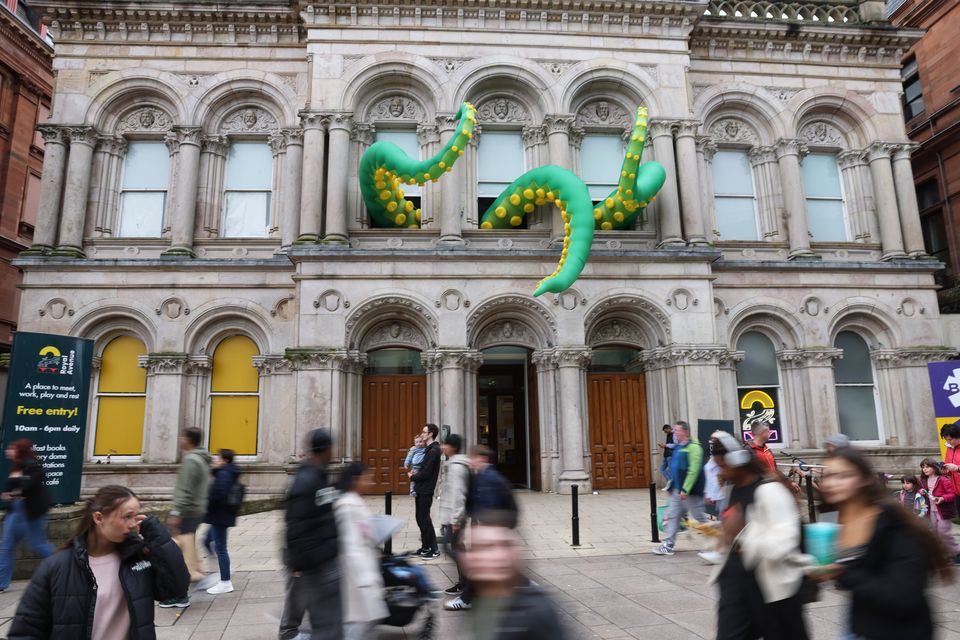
{"type": "Point", "coordinates": [821, 541]}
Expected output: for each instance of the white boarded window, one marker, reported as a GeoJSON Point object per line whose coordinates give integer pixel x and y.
{"type": "Point", "coordinates": [406, 140]}
{"type": "Point", "coordinates": [856, 392]}
{"type": "Point", "coordinates": [246, 201]}
{"type": "Point", "coordinates": [601, 157]}
{"type": "Point", "coordinates": [499, 162]}
{"type": "Point", "coordinates": [733, 195]}
{"type": "Point", "coordinates": [821, 186]}
{"type": "Point", "coordinates": [143, 189]}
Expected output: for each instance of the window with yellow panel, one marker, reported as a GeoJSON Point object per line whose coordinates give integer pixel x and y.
{"type": "Point", "coordinates": [121, 399]}
{"type": "Point", "coordinates": [234, 397]}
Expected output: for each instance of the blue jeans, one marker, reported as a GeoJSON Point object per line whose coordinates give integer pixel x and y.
{"type": "Point", "coordinates": [216, 541]}
{"type": "Point", "coordinates": [15, 527]}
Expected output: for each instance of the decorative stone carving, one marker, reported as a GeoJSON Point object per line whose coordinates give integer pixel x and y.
{"type": "Point", "coordinates": [812, 306]}
{"type": "Point", "coordinates": [604, 113]}
{"type": "Point", "coordinates": [82, 135]}
{"type": "Point", "coordinates": [493, 307]}
{"type": "Point", "coordinates": [450, 64]}
{"type": "Point", "coordinates": [678, 354]}
{"type": "Point", "coordinates": [269, 365]}
{"type": "Point", "coordinates": [809, 357]}
{"type": "Point", "coordinates": [330, 301]}
{"type": "Point", "coordinates": [283, 308]}
{"type": "Point", "coordinates": [910, 307]}
{"type": "Point", "coordinates": [720, 308]}
{"type": "Point", "coordinates": [174, 363]}
{"type": "Point", "coordinates": [376, 307]}
{"type": "Point", "coordinates": [783, 94]}
{"type": "Point", "coordinates": [451, 300]}
{"type": "Point", "coordinates": [145, 119]}
{"type": "Point", "coordinates": [363, 133]}
{"type": "Point", "coordinates": [57, 308]}
{"type": "Point", "coordinates": [555, 67]}
{"type": "Point", "coordinates": [682, 299]}
{"type": "Point", "coordinates": [504, 110]}
{"type": "Point", "coordinates": [822, 134]}
{"type": "Point", "coordinates": [394, 333]}
{"type": "Point", "coordinates": [617, 331]}
{"type": "Point", "coordinates": [573, 357]}
{"type": "Point", "coordinates": [506, 332]}
{"type": "Point", "coordinates": [733, 130]}
{"type": "Point", "coordinates": [249, 120]}
{"type": "Point", "coordinates": [427, 134]}
{"type": "Point", "coordinates": [317, 359]}
{"type": "Point", "coordinates": [52, 133]}
{"type": "Point", "coordinates": [533, 136]}
{"type": "Point", "coordinates": [569, 299]}
{"type": "Point", "coordinates": [172, 308]}
{"type": "Point", "coordinates": [395, 108]}
{"type": "Point", "coordinates": [632, 304]}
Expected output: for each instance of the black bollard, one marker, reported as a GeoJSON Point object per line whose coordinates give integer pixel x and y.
{"type": "Point", "coordinates": [653, 512]}
{"type": "Point", "coordinates": [575, 519]}
{"type": "Point", "coordinates": [388, 510]}
{"type": "Point", "coordinates": [811, 509]}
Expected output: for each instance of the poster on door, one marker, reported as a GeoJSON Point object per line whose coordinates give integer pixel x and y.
{"type": "Point", "coordinates": [759, 405]}
{"type": "Point", "coordinates": [945, 387]}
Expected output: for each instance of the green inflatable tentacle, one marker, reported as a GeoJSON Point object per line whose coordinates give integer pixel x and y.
{"type": "Point", "coordinates": [385, 168]}
{"type": "Point", "coordinates": [638, 184]}
{"type": "Point", "coordinates": [567, 192]}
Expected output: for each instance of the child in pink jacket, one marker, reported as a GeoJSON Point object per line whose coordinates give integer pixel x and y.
{"type": "Point", "coordinates": [938, 488]}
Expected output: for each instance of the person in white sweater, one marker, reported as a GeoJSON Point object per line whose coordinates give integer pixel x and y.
{"type": "Point", "coordinates": [361, 582]}
{"type": "Point", "coordinates": [454, 485]}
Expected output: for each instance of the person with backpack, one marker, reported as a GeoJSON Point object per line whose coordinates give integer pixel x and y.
{"type": "Point", "coordinates": [686, 486]}
{"type": "Point", "coordinates": [102, 583]}
{"type": "Point", "coordinates": [26, 495]}
{"type": "Point", "coordinates": [223, 503]}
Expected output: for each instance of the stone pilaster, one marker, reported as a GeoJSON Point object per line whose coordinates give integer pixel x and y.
{"type": "Point", "coordinates": [907, 201]}
{"type": "Point", "coordinates": [815, 397]}
{"type": "Point", "coordinates": [545, 363]}
{"type": "Point", "coordinates": [292, 174]}
{"type": "Point", "coordinates": [187, 141]}
{"type": "Point", "coordinates": [55, 140]}
{"type": "Point", "coordinates": [103, 206]}
{"type": "Point", "coordinates": [174, 383]}
{"type": "Point", "coordinates": [572, 363]}
{"type": "Point", "coordinates": [453, 191]}
{"type": "Point", "coordinates": [885, 195]}
{"type": "Point", "coordinates": [335, 229]}
{"type": "Point", "coordinates": [853, 164]}
{"type": "Point", "coordinates": [789, 153]}
{"type": "Point", "coordinates": [279, 411]}
{"type": "Point", "coordinates": [314, 134]}
{"type": "Point", "coordinates": [83, 141]}
{"type": "Point", "coordinates": [668, 203]}
{"type": "Point", "coordinates": [763, 160]}
{"type": "Point", "coordinates": [558, 128]}
{"type": "Point", "coordinates": [706, 149]}
{"type": "Point", "coordinates": [690, 187]}
{"type": "Point", "coordinates": [428, 137]}
{"type": "Point", "coordinates": [213, 159]}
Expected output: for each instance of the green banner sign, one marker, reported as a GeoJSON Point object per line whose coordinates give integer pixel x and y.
{"type": "Point", "coordinates": [47, 397]}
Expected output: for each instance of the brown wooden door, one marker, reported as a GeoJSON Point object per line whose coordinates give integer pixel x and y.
{"type": "Point", "coordinates": [618, 430]}
{"type": "Point", "coordinates": [394, 410]}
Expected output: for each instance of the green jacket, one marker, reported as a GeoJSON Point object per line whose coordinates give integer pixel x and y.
{"type": "Point", "coordinates": [190, 494]}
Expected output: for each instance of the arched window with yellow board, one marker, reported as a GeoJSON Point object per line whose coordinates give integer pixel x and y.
{"type": "Point", "coordinates": [758, 386]}
{"type": "Point", "coordinates": [121, 399]}
{"type": "Point", "coordinates": [235, 397]}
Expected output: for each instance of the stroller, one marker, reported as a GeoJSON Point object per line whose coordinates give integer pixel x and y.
{"type": "Point", "coordinates": [407, 589]}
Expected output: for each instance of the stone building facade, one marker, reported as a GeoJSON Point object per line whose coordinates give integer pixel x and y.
{"type": "Point", "coordinates": [201, 221]}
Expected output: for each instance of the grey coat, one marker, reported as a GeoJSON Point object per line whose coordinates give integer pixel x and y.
{"type": "Point", "coordinates": [454, 484]}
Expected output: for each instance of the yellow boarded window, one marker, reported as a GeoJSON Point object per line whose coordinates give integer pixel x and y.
{"type": "Point", "coordinates": [234, 397]}
{"type": "Point", "coordinates": [121, 399]}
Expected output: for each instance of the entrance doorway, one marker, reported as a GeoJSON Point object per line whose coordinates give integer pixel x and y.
{"type": "Point", "coordinates": [617, 411]}
{"type": "Point", "coordinates": [504, 413]}
{"type": "Point", "coordinates": [394, 410]}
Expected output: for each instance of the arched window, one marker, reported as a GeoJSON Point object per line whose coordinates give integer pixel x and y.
{"type": "Point", "coordinates": [825, 206]}
{"type": "Point", "coordinates": [121, 399]}
{"type": "Point", "coordinates": [615, 360]}
{"type": "Point", "coordinates": [734, 196]}
{"type": "Point", "coordinates": [758, 385]}
{"type": "Point", "coordinates": [247, 190]}
{"type": "Point", "coordinates": [394, 361]}
{"type": "Point", "coordinates": [856, 393]}
{"type": "Point", "coordinates": [143, 189]}
{"type": "Point", "coordinates": [234, 397]}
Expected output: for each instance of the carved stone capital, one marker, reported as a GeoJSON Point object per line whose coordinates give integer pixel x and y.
{"type": "Point", "coordinates": [811, 357]}
{"type": "Point", "coordinates": [217, 145]}
{"type": "Point", "coordinates": [658, 128]}
{"type": "Point", "coordinates": [114, 145]}
{"type": "Point", "coordinates": [428, 134]}
{"type": "Point", "coordinates": [573, 357]}
{"type": "Point", "coordinates": [174, 364]}
{"type": "Point", "coordinates": [558, 123]}
{"type": "Point", "coordinates": [446, 122]}
{"type": "Point", "coordinates": [292, 135]}
{"type": "Point", "coordinates": [790, 147]}
{"type": "Point", "coordinates": [909, 356]}
{"type": "Point", "coordinates": [533, 136]}
{"type": "Point", "coordinates": [53, 133]}
{"type": "Point", "coordinates": [277, 143]}
{"type": "Point", "coordinates": [706, 147]}
{"type": "Point", "coordinates": [673, 355]}
{"type": "Point", "coordinates": [458, 358]}
{"type": "Point", "coordinates": [687, 128]}
{"type": "Point", "coordinates": [363, 132]}
{"type": "Point", "coordinates": [342, 121]}
{"type": "Point", "coordinates": [904, 151]}
{"type": "Point", "coordinates": [83, 135]}
{"type": "Point", "coordinates": [762, 155]}
{"type": "Point", "coordinates": [880, 151]}
{"type": "Point", "coordinates": [850, 159]}
{"type": "Point", "coordinates": [185, 135]}
{"type": "Point", "coordinates": [269, 365]}
{"type": "Point", "coordinates": [306, 359]}
{"type": "Point", "coordinates": [314, 120]}
{"type": "Point", "coordinates": [544, 360]}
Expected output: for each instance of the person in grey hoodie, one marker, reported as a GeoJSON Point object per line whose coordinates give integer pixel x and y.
{"type": "Point", "coordinates": [189, 506]}
{"type": "Point", "coordinates": [454, 486]}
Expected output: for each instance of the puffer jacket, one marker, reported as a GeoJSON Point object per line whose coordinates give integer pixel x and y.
{"type": "Point", "coordinates": [220, 513]}
{"type": "Point", "coordinates": [311, 527]}
{"type": "Point", "coordinates": [454, 486]}
{"type": "Point", "coordinates": [60, 600]}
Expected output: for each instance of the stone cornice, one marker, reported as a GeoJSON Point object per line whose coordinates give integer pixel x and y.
{"type": "Point", "coordinates": [673, 355]}
{"type": "Point", "coordinates": [27, 43]}
{"type": "Point", "coordinates": [174, 363]}
{"type": "Point", "coordinates": [907, 356]}
{"type": "Point", "coordinates": [814, 356]}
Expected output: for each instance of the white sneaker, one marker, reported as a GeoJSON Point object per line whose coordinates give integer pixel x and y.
{"type": "Point", "coordinates": [224, 586]}
{"type": "Point", "coordinates": [457, 604]}
{"type": "Point", "coordinates": [712, 557]}
{"type": "Point", "coordinates": [207, 581]}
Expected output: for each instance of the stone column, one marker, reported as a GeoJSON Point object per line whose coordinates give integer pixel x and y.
{"type": "Point", "coordinates": [278, 147]}
{"type": "Point", "coordinates": [729, 406]}
{"type": "Point", "coordinates": [314, 132]}
{"type": "Point", "coordinates": [292, 178]}
{"type": "Point", "coordinates": [764, 163]}
{"type": "Point", "coordinates": [164, 414]}
{"type": "Point", "coordinates": [279, 410]}
{"type": "Point", "coordinates": [187, 141]}
{"type": "Point", "coordinates": [688, 179]}
{"type": "Point", "coordinates": [51, 189]}
{"type": "Point", "coordinates": [213, 159]}
{"type": "Point", "coordinates": [452, 187]}
{"type": "Point", "coordinates": [572, 363]}
{"type": "Point", "coordinates": [535, 153]}
{"type": "Point", "coordinates": [428, 137]}
{"type": "Point", "coordinates": [893, 401]}
{"type": "Point", "coordinates": [453, 364]}
{"type": "Point", "coordinates": [83, 140]}
{"type": "Point", "coordinates": [320, 395]}
{"type": "Point", "coordinates": [819, 395]}
{"type": "Point", "coordinates": [432, 365]}
{"type": "Point", "coordinates": [891, 238]}
{"type": "Point", "coordinates": [668, 205]}
{"type": "Point", "coordinates": [558, 145]}
{"type": "Point", "coordinates": [546, 366]}
{"type": "Point", "coordinates": [472, 361]}
{"type": "Point", "coordinates": [907, 201]}
{"type": "Point", "coordinates": [706, 149]}
{"type": "Point", "coordinates": [362, 135]}
{"type": "Point", "coordinates": [335, 229]}
{"type": "Point", "coordinates": [103, 197]}
{"type": "Point", "coordinates": [850, 163]}
{"type": "Point", "coordinates": [789, 153]}
{"type": "Point", "coordinates": [353, 373]}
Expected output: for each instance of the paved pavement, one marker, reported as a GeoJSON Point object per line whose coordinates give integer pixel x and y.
{"type": "Point", "coordinates": [609, 587]}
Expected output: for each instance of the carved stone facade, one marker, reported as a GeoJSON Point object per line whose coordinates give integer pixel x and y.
{"type": "Point", "coordinates": [323, 290]}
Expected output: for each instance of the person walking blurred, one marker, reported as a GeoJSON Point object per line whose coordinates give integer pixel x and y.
{"type": "Point", "coordinates": [361, 582]}
{"type": "Point", "coordinates": [189, 507]}
{"type": "Point", "coordinates": [223, 503]}
{"type": "Point", "coordinates": [667, 448]}
{"type": "Point", "coordinates": [103, 582]}
{"type": "Point", "coordinates": [937, 487]}
{"type": "Point", "coordinates": [686, 485]}
{"type": "Point", "coordinates": [762, 571]}
{"type": "Point", "coordinates": [424, 484]}
{"type": "Point", "coordinates": [28, 503]}
{"type": "Point", "coordinates": [454, 487]}
{"type": "Point", "coordinates": [310, 556]}
{"type": "Point", "coordinates": [758, 443]}
{"type": "Point", "coordinates": [951, 457]}
{"type": "Point", "coordinates": [885, 555]}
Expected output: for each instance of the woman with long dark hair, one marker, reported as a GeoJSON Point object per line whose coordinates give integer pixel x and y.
{"type": "Point", "coordinates": [103, 583]}
{"type": "Point", "coordinates": [885, 555]}
{"type": "Point", "coordinates": [26, 493]}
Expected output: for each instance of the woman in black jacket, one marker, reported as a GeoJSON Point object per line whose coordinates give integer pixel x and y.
{"type": "Point", "coordinates": [221, 515]}
{"type": "Point", "coordinates": [26, 493]}
{"type": "Point", "coordinates": [103, 583]}
{"type": "Point", "coordinates": [885, 554]}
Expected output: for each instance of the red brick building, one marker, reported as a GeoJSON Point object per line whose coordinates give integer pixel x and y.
{"type": "Point", "coordinates": [931, 85]}
{"type": "Point", "coordinates": [26, 87]}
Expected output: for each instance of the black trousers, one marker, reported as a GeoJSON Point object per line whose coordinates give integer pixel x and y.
{"type": "Point", "coordinates": [743, 615]}
{"type": "Point", "coordinates": [428, 537]}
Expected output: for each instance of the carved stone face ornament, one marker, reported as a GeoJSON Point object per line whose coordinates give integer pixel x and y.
{"type": "Point", "coordinates": [249, 118]}
{"type": "Point", "coordinates": [147, 119]}
{"type": "Point", "coordinates": [732, 128]}
{"type": "Point", "coordinates": [501, 109]}
{"type": "Point", "coordinates": [396, 107]}
{"type": "Point", "coordinates": [603, 111]}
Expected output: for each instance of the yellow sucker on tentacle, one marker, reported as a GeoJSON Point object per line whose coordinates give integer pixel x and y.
{"type": "Point", "coordinates": [567, 192]}
{"type": "Point", "coordinates": [385, 168]}
{"type": "Point", "coordinates": [637, 186]}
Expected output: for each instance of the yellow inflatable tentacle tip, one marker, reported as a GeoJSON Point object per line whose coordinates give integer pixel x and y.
{"type": "Point", "coordinates": [391, 206]}
{"type": "Point", "coordinates": [400, 219]}
{"type": "Point", "coordinates": [528, 208]}
{"type": "Point", "coordinates": [384, 195]}
{"type": "Point", "coordinates": [606, 226]}
{"type": "Point", "coordinates": [486, 225]}
{"type": "Point", "coordinates": [528, 194]}
{"type": "Point", "coordinates": [408, 207]}
{"type": "Point", "coordinates": [515, 199]}
{"type": "Point", "coordinates": [618, 216]}
{"type": "Point", "coordinates": [516, 221]}
{"type": "Point", "coordinates": [500, 212]}
{"type": "Point", "coordinates": [597, 214]}
{"type": "Point", "coordinates": [418, 215]}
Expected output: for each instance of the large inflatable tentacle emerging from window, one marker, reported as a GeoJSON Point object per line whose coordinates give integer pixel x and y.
{"type": "Point", "coordinates": [385, 168]}
{"type": "Point", "coordinates": [638, 184]}
{"type": "Point", "coordinates": [550, 184]}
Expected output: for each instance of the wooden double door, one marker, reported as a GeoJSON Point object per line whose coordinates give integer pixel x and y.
{"type": "Point", "coordinates": [618, 430]}
{"type": "Point", "coordinates": [394, 411]}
